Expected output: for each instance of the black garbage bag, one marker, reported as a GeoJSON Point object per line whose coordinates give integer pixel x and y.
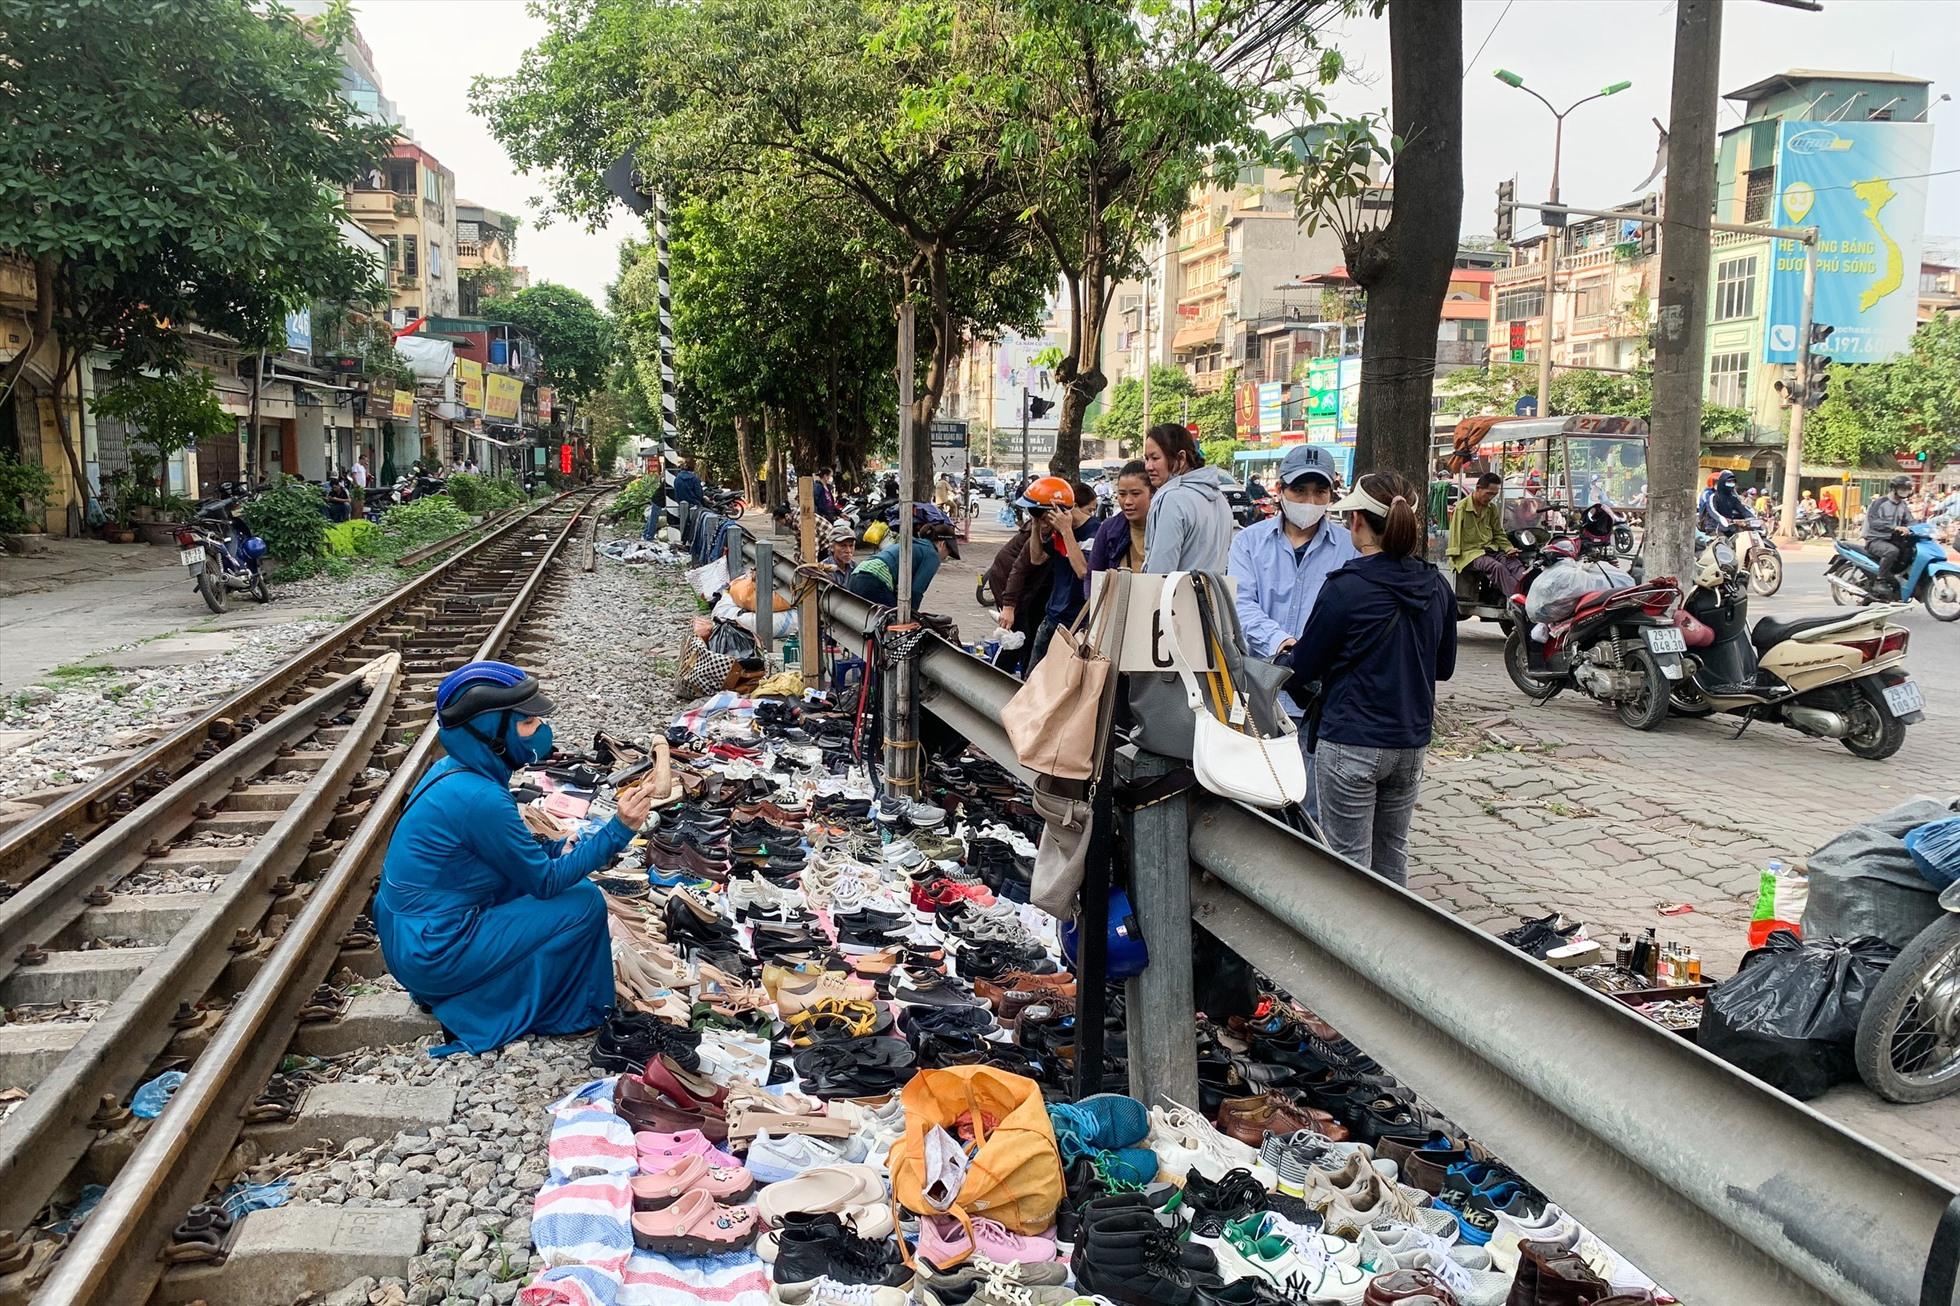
{"type": "Point", "coordinates": [1790, 1015]}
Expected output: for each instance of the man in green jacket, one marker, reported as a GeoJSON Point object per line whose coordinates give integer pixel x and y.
{"type": "Point", "coordinates": [1477, 540]}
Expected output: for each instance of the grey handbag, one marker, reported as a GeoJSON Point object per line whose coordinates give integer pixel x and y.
{"type": "Point", "coordinates": [1164, 724]}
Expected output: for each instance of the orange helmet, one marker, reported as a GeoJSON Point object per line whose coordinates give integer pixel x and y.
{"type": "Point", "coordinates": [1047, 492]}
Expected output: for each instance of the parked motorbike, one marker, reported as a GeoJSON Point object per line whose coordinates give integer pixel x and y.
{"type": "Point", "coordinates": [1762, 561]}
{"type": "Point", "coordinates": [1930, 578]}
{"type": "Point", "coordinates": [1606, 533]}
{"type": "Point", "coordinates": [729, 503]}
{"type": "Point", "coordinates": [220, 552]}
{"type": "Point", "coordinates": [1908, 1044]}
{"type": "Point", "coordinates": [1476, 596]}
{"type": "Point", "coordinates": [1817, 526]}
{"type": "Point", "coordinates": [1834, 677]}
{"type": "Point", "coordinates": [1620, 647]}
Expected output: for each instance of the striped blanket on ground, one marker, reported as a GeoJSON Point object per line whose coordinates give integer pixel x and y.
{"type": "Point", "coordinates": [582, 1225]}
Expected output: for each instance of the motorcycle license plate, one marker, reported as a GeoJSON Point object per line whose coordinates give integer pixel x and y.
{"type": "Point", "coordinates": [1665, 639]}
{"type": "Point", "coordinates": [191, 557]}
{"type": "Point", "coordinates": [1904, 697]}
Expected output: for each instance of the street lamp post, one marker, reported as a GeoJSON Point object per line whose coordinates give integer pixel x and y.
{"type": "Point", "coordinates": [1552, 225]}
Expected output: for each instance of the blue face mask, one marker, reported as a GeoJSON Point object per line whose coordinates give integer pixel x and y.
{"type": "Point", "coordinates": [528, 750]}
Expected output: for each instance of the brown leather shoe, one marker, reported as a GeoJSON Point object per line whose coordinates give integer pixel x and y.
{"type": "Point", "coordinates": [1407, 1288]}
{"type": "Point", "coordinates": [1250, 1119]}
{"type": "Point", "coordinates": [1550, 1275]}
{"type": "Point", "coordinates": [1016, 990]}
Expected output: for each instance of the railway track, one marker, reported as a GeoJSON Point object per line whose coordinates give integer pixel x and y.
{"type": "Point", "coordinates": [184, 910]}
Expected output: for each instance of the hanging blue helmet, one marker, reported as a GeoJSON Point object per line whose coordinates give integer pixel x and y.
{"type": "Point", "coordinates": [478, 687]}
{"type": "Point", "coordinates": [1127, 954]}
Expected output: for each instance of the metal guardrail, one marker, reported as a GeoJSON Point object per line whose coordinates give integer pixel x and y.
{"type": "Point", "coordinates": [1724, 1190]}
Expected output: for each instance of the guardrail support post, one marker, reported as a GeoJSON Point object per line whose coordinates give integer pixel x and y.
{"type": "Point", "coordinates": [765, 597]}
{"type": "Point", "coordinates": [1162, 1002]}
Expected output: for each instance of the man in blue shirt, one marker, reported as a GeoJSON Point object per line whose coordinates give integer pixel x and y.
{"type": "Point", "coordinates": [1280, 564]}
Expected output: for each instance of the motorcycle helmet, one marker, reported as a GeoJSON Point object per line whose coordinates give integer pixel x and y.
{"type": "Point", "coordinates": [1726, 481]}
{"type": "Point", "coordinates": [1127, 954]}
{"type": "Point", "coordinates": [478, 687]}
{"type": "Point", "coordinates": [1565, 546]}
{"type": "Point", "coordinates": [254, 547]}
{"type": "Point", "coordinates": [1708, 569]}
{"type": "Point", "coordinates": [1047, 492]}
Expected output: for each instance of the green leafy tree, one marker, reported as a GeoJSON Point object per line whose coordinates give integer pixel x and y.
{"type": "Point", "coordinates": [573, 335]}
{"type": "Point", "coordinates": [1173, 398]}
{"type": "Point", "coordinates": [842, 95]}
{"type": "Point", "coordinates": [1107, 116]}
{"type": "Point", "coordinates": [1908, 405]}
{"type": "Point", "coordinates": [174, 162]}
{"type": "Point", "coordinates": [167, 414]}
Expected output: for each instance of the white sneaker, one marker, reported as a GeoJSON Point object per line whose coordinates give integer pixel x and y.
{"type": "Point", "coordinates": [1551, 1226]}
{"type": "Point", "coordinates": [1185, 1141]}
{"type": "Point", "coordinates": [1272, 1260]}
{"type": "Point", "coordinates": [1341, 1251]}
{"type": "Point", "coordinates": [1337, 1285]}
{"type": "Point", "coordinates": [756, 895]}
{"type": "Point", "coordinates": [772, 1159]}
{"type": "Point", "coordinates": [1392, 1245]}
{"type": "Point", "coordinates": [1472, 1287]}
{"type": "Point", "coordinates": [829, 1292]}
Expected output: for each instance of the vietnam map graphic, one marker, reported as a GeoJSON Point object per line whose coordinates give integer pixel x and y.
{"type": "Point", "coordinates": [1876, 194]}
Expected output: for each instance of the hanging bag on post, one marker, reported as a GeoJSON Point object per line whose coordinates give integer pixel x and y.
{"type": "Point", "coordinates": [1051, 720]}
{"type": "Point", "coordinates": [1230, 756]}
{"type": "Point", "coordinates": [1164, 725]}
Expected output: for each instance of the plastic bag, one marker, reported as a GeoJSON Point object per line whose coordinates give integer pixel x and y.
{"type": "Point", "coordinates": [1557, 592]}
{"type": "Point", "coordinates": [1865, 881]}
{"type": "Point", "coordinates": [1935, 851]}
{"type": "Point", "coordinates": [1781, 892]}
{"type": "Point", "coordinates": [1790, 1015]}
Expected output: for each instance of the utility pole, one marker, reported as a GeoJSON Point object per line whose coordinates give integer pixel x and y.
{"type": "Point", "coordinates": [1024, 433]}
{"type": "Point", "coordinates": [1146, 361]}
{"type": "Point", "coordinates": [1786, 523]}
{"type": "Point", "coordinates": [901, 735]}
{"type": "Point", "coordinates": [1680, 330]}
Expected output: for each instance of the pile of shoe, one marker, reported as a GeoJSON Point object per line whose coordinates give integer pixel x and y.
{"type": "Point", "coordinates": [792, 949]}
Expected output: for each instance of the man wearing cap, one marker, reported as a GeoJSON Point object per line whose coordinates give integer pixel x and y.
{"type": "Point", "coordinates": [1280, 564]}
{"type": "Point", "coordinates": [1477, 540]}
{"type": "Point", "coordinates": [491, 927]}
{"type": "Point", "coordinates": [876, 578]}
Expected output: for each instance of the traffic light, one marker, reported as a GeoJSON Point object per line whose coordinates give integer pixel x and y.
{"type": "Point", "coordinates": [1038, 407]}
{"type": "Point", "coordinates": [1818, 365]}
{"type": "Point", "coordinates": [1786, 389]}
{"type": "Point", "coordinates": [1507, 191]}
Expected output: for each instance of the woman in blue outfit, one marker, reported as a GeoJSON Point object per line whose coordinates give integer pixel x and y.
{"type": "Point", "coordinates": [495, 930]}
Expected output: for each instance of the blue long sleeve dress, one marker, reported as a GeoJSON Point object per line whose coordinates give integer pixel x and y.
{"type": "Point", "coordinates": [498, 933]}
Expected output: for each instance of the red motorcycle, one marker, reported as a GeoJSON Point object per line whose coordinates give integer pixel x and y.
{"type": "Point", "coordinates": [1622, 647]}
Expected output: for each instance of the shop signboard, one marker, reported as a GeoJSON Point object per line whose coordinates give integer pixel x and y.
{"type": "Point", "coordinates": [1245, 411]}
{"type": "Point", "coordinates": [502, 395]}
{"type": "Point", "coordinates": [1348, 412]}
{"type": "Point", "coordinates": [1863, 186]}
{"type": "Point", "coordinates": [404, 405]}
{"type": "Point", "coordinates": [299, 331]}
{"type": "Point", "coordinates": [1323, 398]}
{"type": "Point", "coordinates": [381, 394]}
{"type": "Point", "coordinates": [1272, 407]}
{"type": "Point", "coordinates": [544, 403]}
{"type": "Point", "coordinates": [565, 459]}
{"type": "Point", "coordinates": [469, 382]}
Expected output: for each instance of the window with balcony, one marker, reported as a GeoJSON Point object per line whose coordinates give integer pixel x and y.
{"type": "Point", "coordinates": [1728, 380]}
{"type": "Point", "coordinates": [1524, 302]}
{"type": "Point", "coordinates": [401, 176]}
{"type": "Point", "coordinates": [1735, 288]}
{"type": "Point", "coordinates": [1590, 299]}
{"type": "Point", "coordinates": [1756, 194]}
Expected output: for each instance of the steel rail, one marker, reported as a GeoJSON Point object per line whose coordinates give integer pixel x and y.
{"type": "Point", "coordinates": [84, 810]}
{"type": "Point", "coordinates": [1725, 1190]}
{"type": "Point", "coordinates": [44, 1137]}
{"type": "Point", "coordinates": [115, 1256]}
{"type": "Point", "coordinates": [1722, 1188]}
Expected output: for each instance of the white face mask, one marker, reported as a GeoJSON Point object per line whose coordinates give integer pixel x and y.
{"type": "Point", "coordinates": [1302, 516]}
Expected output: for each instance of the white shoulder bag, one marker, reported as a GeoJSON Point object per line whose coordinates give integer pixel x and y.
{"type": "Point", "coordinates": [1229, 756]}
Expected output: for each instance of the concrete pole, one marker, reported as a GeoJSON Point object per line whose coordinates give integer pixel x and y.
{"type": "Point", "coordinates": [1147, 360]}
{"type": "Point", "coordinates": [1545, 319]}
{"type": "Point", "coordinates": [1786, 524]}
{"type": "Point", "coordinates": [1680, 331]}
{"type": "Point", "coordinates": [902, 700]}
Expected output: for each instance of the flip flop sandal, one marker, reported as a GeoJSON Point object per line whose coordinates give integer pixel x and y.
{"type": "Point", "coordinates": [832, 1188]}
{"type": "Point", "coordinates": [651, 1192]}
{"type": "Point", "coordinates": [746, 1119]}
{"type": "Point", "coordinates": [832, 1019]}
{"type": "Point", "coordinates": [696, 1225]}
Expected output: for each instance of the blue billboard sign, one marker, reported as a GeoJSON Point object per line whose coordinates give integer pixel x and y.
{"type": "Point", "coordinates": [1863, 186]}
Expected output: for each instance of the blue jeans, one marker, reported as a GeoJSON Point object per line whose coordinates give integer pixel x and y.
{"type": "Point", "coordinates": [1312, 801]}
{"type": "Point", "coordinates": [1367, 801]}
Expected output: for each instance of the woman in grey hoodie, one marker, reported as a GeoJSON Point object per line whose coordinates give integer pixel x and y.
{"type": "Point", "coordinates": [1190, 524]}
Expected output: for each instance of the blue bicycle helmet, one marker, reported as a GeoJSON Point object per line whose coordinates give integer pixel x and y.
{"type": "Point", "coordinates": [478, 687]}
{"type": "Point", "coordinates": [1127, 954]}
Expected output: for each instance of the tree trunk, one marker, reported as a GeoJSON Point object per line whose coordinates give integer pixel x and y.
{"type": "Point", "coordinates": [745, 455]}
{"type": "Point", "coordinates": [1082, 380]}
{"type": "Point", "coordinates": [1405, 268]}
{"type": "Point", "coordinates": [70, 362]}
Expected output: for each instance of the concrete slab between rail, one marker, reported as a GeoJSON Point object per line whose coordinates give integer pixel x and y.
{"type": "Point", "coordinates": [371, 1020]}
{"type": "Point", "coordinates": [280, 1255]}
{"type": "Point", "coordinates": [97, 975]}
{"type": "Point", "coordinates": [340, 1113]}
{"type": "Point", "coordinates": [149, 919]}
{"type": "Point", "coordinates": [29, 1053]}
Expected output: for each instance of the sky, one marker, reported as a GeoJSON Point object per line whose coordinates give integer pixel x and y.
{"type": "Point", "coordinates": [426, 51]}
